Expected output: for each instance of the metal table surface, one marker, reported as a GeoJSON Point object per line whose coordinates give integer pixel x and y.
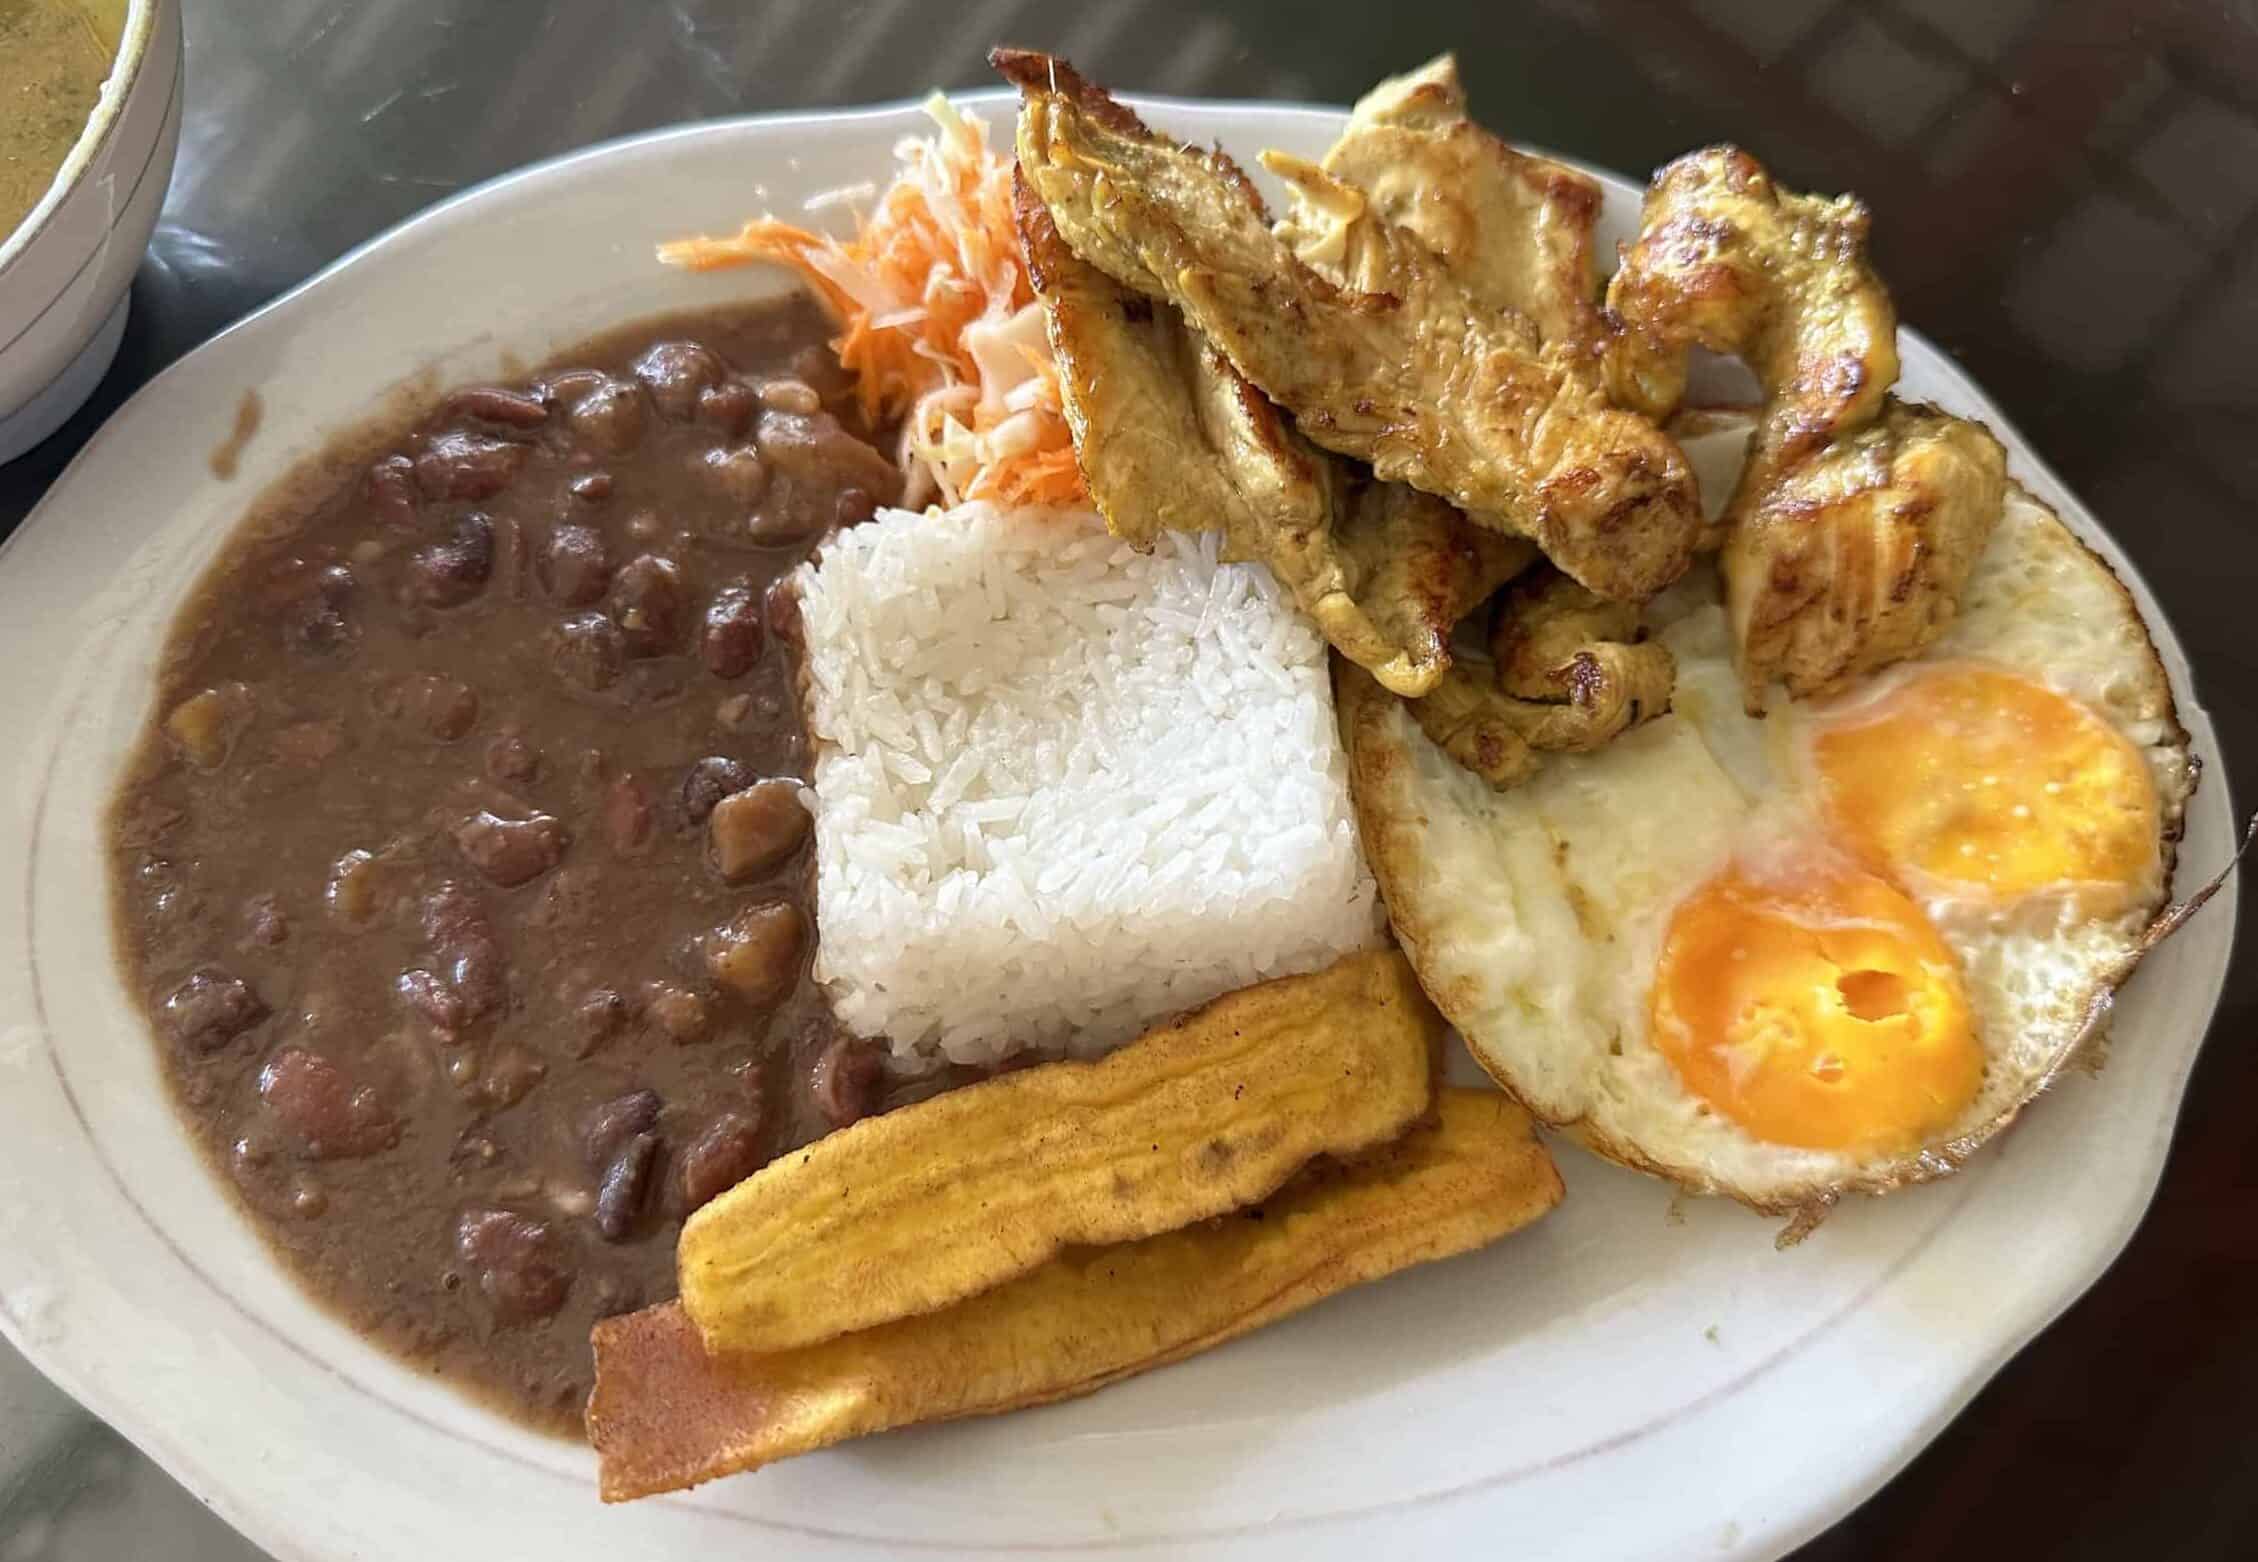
{"type": "Point", "coordinates": [2066, 197]}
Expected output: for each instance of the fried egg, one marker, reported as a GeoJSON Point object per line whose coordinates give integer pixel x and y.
{"type": "Point", "coordinates": [1830, 949]}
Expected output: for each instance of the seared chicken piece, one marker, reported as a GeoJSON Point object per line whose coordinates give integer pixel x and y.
{"type": "Point", "coordinates": [1556, 643]}
{"type": "Point", "coordinates": [1170, 438]}
{"type": "Point", "coordinates": [1856, 519]}
{"type": "Point", "coordinates": [1571, 672]}
{"type": "Point", "coordinates": [1420, 381]}
{"type": "Point", "coordinates": [1162, 442]}
{"type": "Point", "coordinates": [1471, 719]}
{"type": "Point", "coordinates": [1417, 565]}
{"type": "Point", "coordinates": [1514, 231]}
{"type": "Point", "coordinates": [1856, 559]}
{"type": "Point", "coordinates": [1726, 259]}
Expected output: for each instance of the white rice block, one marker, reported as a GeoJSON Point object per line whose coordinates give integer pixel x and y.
{"type": "Point", "coordinates": [1064, 789]}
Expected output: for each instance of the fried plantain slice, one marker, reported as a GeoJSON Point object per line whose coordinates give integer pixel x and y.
{"type": "Point", "coordinates": [665, 1415]}
{"type": "Point", "coordinates": [909, 1212]}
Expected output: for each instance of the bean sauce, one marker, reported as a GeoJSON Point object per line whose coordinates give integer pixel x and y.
{"type": "Point", "coordinates": [463, 870]}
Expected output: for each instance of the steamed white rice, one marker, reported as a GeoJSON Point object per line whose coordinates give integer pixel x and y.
{"type": "Point", "coordinates": [1063, 789]}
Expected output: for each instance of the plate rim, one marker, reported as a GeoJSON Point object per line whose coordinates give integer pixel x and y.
{"type": "Point", "coordinates": [1840, 1499]}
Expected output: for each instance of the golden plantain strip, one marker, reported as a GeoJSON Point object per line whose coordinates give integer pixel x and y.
{"type": "Point", "coordinates": [664, 1415]}
{"type": "Point", "coordinates": [909, 1212]}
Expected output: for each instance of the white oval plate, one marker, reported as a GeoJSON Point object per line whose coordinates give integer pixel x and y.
{"type": "Point", "coordinates": [1629, 1379]}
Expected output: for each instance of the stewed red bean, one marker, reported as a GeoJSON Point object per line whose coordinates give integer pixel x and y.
{"type": "Point", "coordinates": [588, 651]}
{"type": "Point", "coordinates": [574, 566]}
{"type": "Point", "coordinates": [479, 764]}
{"type": "Point", "coordinates": [675, 373]}
{"type": "Point", "coordinates": [725, 1153]}
{"type": "Point", "coordinates": [647, 603]}
{"type": "Point", "coordinates": [463, 465]}
{"type": "Point", "coordinates": [450, 573]}
{"type": "Point", "coordinates": [611, 417]}
{"type": "Point", "coordinates": [730, 641]}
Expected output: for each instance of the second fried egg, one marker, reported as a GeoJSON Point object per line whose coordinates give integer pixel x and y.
{"type": "Point", "coordinates": [1833, 948]}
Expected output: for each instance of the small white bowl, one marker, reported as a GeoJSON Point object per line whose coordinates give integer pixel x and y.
{"type": "Point", "coordinates": [64, 272]}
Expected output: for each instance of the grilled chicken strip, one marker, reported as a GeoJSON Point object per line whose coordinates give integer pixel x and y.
{"type": "Point", "coordinates": [1514, 231]}
{"type": "Point", "coordinates": [1571, 672]}
{"type": "Point", "coordinates": [1856, 558]}
{"type": "Point", "coordinates": [1170, 438]}
{"type": "Point", "coordinates": [1857, 518]}
{"type": "Point", "coordinates": [1421, 382]}
{"type": "Point", "coordinates": [1726, 259]}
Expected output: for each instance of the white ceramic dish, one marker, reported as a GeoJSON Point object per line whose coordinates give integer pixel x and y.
{"type": "Point", "coordinates": [65, 270]}
{"type": "Point", "coordinates": [1630, 1379]}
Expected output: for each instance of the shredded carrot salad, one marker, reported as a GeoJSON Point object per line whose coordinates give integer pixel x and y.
{"type": "Point", "coordinates": [939, 324]}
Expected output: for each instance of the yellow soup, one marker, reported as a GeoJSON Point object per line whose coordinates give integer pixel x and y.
{"type": "Point", "coordinates": [53, 56]}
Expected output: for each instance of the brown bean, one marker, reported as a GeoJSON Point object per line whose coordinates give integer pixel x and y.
{"type": "Point", "coordinates": [391, 494]}
{"type": "Point", "coordinates": [730, 642]}
{"type": "Point", "coordinates": [810, 458]}
{"type": "Point", "coordinates": [612, 1123]}
{"type": "Point", "coordinates": [625, 1187]}
{"type": "Point", "coordinates": [510, 758]}
{"type": "Point", "coordinates": [510, 852]}
{"type": "Point", "coordinates": [461, 936]}
{"type": "Point", "coordinates": [204, 726]}
{"type": "Point", "coordinates": [780, 605]}
{"type": "Point", "coordinates": [493, 404]}
{"type": "Point", "coordinates": [516, 1261]}
{"type": "Point", "coordinates": [450, 573]}
{"type": "Point", "coordinates": [707, 782]}
{"type": "Point", "coordinates": [612, 416]}
{"type": "Point", "coordinates": [846, 1080]}
{"type": "Point", "coordinates": [790, 396]}
{"type": "Point", "coordinates": [567, 386]}
{"type": "Point", "coordinates": [588, 651]}
{"type": "Point", "coordinates": [728, 406]}
{"type": "Point", "coordinates": [591, 487]}
{"type": "Point", "coordinates": [756, 955]}
{"type": "Point", "coordinates": [573, 567]}
{"type": "Point", "coordinates": [674, 373]}
{"type": "Point", "coordinates": [462, 465]}
{"type": "Point", "coordinates": [264, 923]}
{"type": "Point", "coordinates": [725, 1153]}
{"type": "Point", "coordinates": [736, 472]}
{"type": "Point", "coordinates": [441, 708]}
{"type": "Point", "coordinates": [681, 1013]}
{"type": "Point", "coordinates": [646, 602]}
{"type": "Point", "coordinates": [352, 888]}
{"type": "Point", "coordinates": [321, 1110]}
{"type": "Point", "coordinates": [853, 507]}
{"type": "Point", "coordinates": [211, 1008]}
{"type": "Point", "coordinates": [320, 620]}
{"type": "Point", "coordinates": [432, 999]}
{"type": "Point", "coordinates": [753, 830]}
{"type": "Point", "coordinates": [627, 815]}
{"type": "Point", "coordinates": [600, 1015]}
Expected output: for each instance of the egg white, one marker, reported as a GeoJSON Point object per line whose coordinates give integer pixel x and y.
{"type": "Point", "coordinates": [1535, 916]}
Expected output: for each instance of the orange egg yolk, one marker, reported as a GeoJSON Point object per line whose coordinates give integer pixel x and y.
{"type": "Point", "coordinates": [1817, 1008]}
{"type": "Point", "coordinates": [1976, 779]}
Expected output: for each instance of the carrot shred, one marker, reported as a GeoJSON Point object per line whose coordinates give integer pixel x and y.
{"type": "Point", "coordinates": [938, 323]}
